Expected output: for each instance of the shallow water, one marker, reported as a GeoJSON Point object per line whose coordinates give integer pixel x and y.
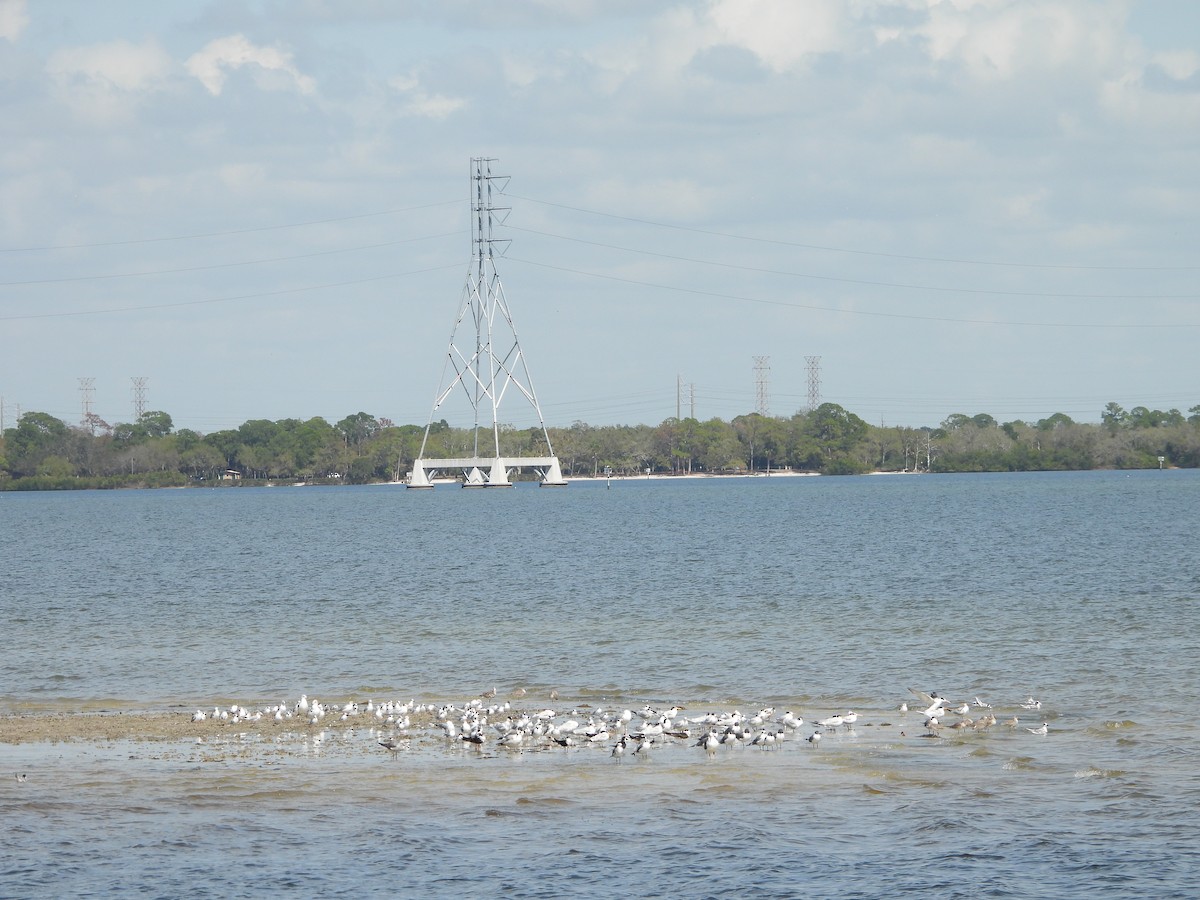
{"type": "Point", "coordinates": [815, 594]}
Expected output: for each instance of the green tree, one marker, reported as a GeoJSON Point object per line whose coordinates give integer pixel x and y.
{"type": "Point", "coordinates": [37, 436]}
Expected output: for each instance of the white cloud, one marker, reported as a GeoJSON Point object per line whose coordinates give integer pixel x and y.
{"type": "Point", "coordinates": [1000, 40]}
{"type": "Point", "coordinates": [781, 33]}
{"type": "Point", "coordinates": [104, 82]}
{"type": "Point", "coordinates": [13, 18]}
{"type": "Point", "coordinates": [117, 65]}
{"type": "Point", "coordinates": [210, 64]}
{"type": "Point", "coordinates": [420, 102]}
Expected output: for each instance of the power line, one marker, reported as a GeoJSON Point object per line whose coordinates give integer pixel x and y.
{"type": "Point", "coordinates": [831, 249]}
{"type": "Point", "coordinates": [853, 312]}
{"type": "Point", "coordinates": [867, 282]}
{"type": "Point", "coordinates": [231, 299]}
{"type": "Point", "coordinates": [231, 265]}
{"type": "Point", "coordinates": [208, 234]}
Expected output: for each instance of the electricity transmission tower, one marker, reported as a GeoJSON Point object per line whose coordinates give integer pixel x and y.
{"type": "Point", "coordinates": [484, 361]}
{"type": "Point", "coordinates": [762, 374]}
{"type": "Point", "coordinates": [814, 381]}
{"type": "Point", "coordinates": [87, 393]}
{"type": "Point", "coordinates": [139, 397]}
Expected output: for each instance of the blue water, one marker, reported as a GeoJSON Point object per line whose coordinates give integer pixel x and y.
{"type": "Point", "coordinates": [812, 594]}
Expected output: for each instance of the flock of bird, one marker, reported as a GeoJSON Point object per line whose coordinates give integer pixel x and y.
{"type": "Point", "coordinates": [482, 722]}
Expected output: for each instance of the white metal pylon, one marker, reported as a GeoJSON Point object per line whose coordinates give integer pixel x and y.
{"type": "Point", "coordinates": [485, 361]}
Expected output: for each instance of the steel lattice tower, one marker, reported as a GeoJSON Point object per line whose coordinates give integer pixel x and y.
{"type": "Point", "coordinates": [139, 397]}
{"type": "Point", "coordinates": [485, 361]}
{"type": "Point", "coordinates": [762, 374]}
{"type": "Point", "coordinates": [87, 391]}
{"type": "Point", "coordinates": [814, 381]}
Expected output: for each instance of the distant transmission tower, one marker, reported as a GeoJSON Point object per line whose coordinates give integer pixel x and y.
{"type": "Point", "coordinates": [762, 374]}
{"type": "Point", "coordinates": [485, 361]}
{"type": "Point", "coordinates": [139, 397]}
{"type": "Point", "coordinates": [814, 381]}
{"type": "Point", "coordinates": [87, 392]}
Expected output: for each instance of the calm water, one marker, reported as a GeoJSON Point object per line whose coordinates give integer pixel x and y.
{"type": "Point", "coordinates": [811, 594]}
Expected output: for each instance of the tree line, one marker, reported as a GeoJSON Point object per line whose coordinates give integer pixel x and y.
{"type": "Point", "coordinates": [44, 453]}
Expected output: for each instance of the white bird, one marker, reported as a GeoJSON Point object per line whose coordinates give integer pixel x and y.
{"type": "Point", "coordinates": [710, 742]}
{"type": "Point", "coordinates": [979, 703]}
{"type": "Point", "coordinates": [831, 722]}
{"type": "Point", "coordinates": [199, 716]}
{"type": "Point", "coordinates": [21, 777]}
{"type": "Point", "coordinates": [814, 738]}
{"type": "Point", "coordinates": [903, 707]}
{"type": "Point", "coordinates": [787, 720]}
{"type": "Point", "coordinates": [850, 718]}
{"type": "Point", "coordinates": [618, 749]}
{"type": "Point", "coordinates": [1041, 729]}
{"type": "Point", "coordinates": [962, 709]}
{"type": "Point", "coordinates": [935, 702]}
{"type": "Point", "coordinates": [512, 739]}
{"type": "Point", "coordinates": [1031, 704]}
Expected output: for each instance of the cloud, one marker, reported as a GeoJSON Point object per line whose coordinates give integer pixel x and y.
{"type": "Point", "coordinates": [14, 16]}
{"type": "Point", "coordinates": [419, 102]}
{"type": "Point", "coordinates": [782, 34]}
{"type": "Point", "coordinates": [210, 64]}
{"type": "Point", "coordinates": [105, 82]}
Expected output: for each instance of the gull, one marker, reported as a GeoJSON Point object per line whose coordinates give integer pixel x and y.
{"type": "Point", "coordinates": [1031, 704]}
{"type": "Point", "coordinates": [21, 777]}
{"type": "Point", "coordinates": [903, 707]}
{"type": "Point", "coordinates": [392, 745]}
{"type": "Point", "coordinates": [563, 741]}
{"type": "Point", "coordinates": [618, 749]}
{"type": "Point", "coordinates": [199, 716]}
{"type": "Point", "coordinates": [979, 703]}
{"type": "Point", "coordinates": [814, 738]}
{"type": "Point", "coordinates": [475, 737]}
{"type": "Point", "coordinates": [710, 742]}
{"type": "Point", "coordinates": [1041, 729]}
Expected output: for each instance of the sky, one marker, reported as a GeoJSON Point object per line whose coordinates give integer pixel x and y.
{"type": "Point", "coordinates": [262, 208]}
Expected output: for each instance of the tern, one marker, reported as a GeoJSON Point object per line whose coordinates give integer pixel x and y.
{"type": "Point", "coordinates": [1041, 729]}
{"type": "Point", "coordinates": [787, 720]}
